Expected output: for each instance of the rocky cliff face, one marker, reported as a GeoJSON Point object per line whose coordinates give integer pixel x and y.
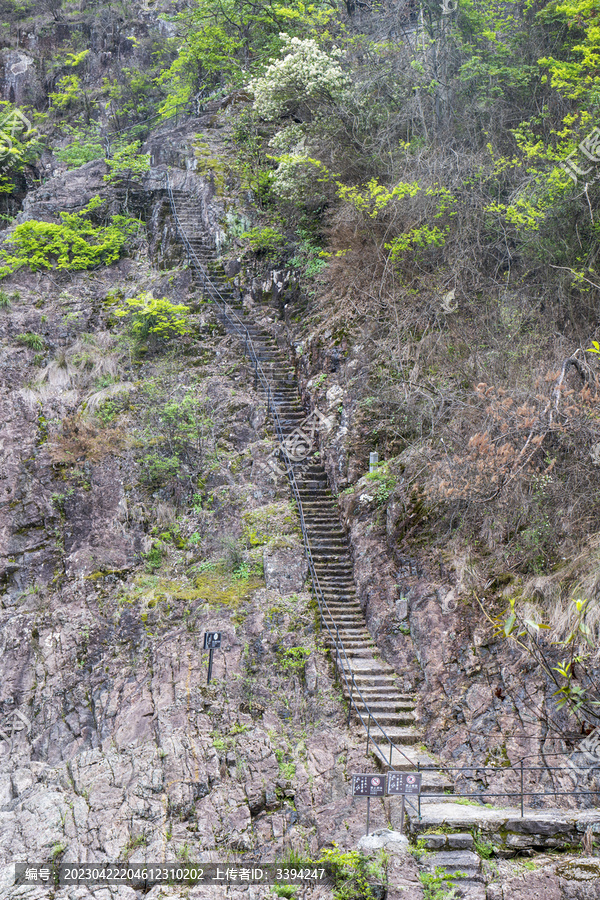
{"type": "Point", "coordinates": [112, 744]}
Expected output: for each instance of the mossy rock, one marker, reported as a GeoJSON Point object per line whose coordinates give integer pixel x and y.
{"type": "Point", "coordinates": [226, 590]}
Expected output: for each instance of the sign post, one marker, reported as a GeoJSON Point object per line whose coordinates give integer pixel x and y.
{"type": "Point", "coordinates": [212, 642]}
{"type": "Point", "coordinates": [403, 783]}
{"type": "Point", "coordinates": [368, 786]}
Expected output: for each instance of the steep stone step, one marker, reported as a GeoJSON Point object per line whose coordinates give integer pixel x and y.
{"type": "Point", "coordinates": [389, 719]}
{"type": "Point", "coordinates": [314, 495]}
{"type": "Point", "coordinates": [357, 642]}
{"type": "Point", "coordinates": [333, 581]}
{"type": "Point", "coordinates": [347, 625]}
{"type": "Point", "coordinates": [347, 619]}
{"type": "Point", "coordinates": [387, 696]}
{"type": "Point", "coordinates": [346, 611]}
{"type": "Point", "coordinates": [399, 734]}
{"type": "Point", "coordinates": [325, 539]}
{"type": "Point", "coordinates": [387, 703]}
{"type": "Point", "coordinates": [340, 592]}
{"type": "Point", "coordinates": [326, 542]}
{"type": "Point", "coordinates": [330, 527]}
{"type": "Point", "coordinates": [354, 641]}
{"type": "Point", "coordinates": [317, 532]}
{"type": "Point", "coordinates": [374, 680]}
{"type": "Point", "coordinates": [336, 586]}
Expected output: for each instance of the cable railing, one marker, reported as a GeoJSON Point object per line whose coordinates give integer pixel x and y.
{"type": "Point", "coordinates": [342, 666]}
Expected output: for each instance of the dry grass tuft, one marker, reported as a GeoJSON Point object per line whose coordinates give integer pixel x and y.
{"type": "Point", "coordinates": [95, 400]}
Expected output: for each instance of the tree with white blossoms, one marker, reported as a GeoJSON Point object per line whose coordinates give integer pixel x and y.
{"type": "Point", "coordinates": [304, 79]}
{"type": "Point", "coordinates": [305, 83]}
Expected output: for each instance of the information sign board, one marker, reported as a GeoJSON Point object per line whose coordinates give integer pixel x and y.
{"type": "Point", "coordinates": [403, 783]}
{"type": "Point", "coordinates": [368, 785]}
{"type": "Point", "coordinates": [212, 640]}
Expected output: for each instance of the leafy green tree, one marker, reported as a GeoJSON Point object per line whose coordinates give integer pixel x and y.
{"type": "Point", "coordinates": [574, 71]}
{"type": "Point", "coordinates": [224, 41]}
{"type": "Point", "coordinates": [127, 164]}
{"type": "Point", "coordinates": [84, 147]}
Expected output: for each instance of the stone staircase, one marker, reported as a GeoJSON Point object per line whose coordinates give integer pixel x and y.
{"type": "Point", "coordinates": [443, 828]}
{"type": "Point", "coordinates": [375, 690]}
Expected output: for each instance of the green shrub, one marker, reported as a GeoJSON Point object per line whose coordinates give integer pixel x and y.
{"type": "Point", "coordinates": [155, 470]}
{"type": "Point", "coordinates": [264, 240]}
{"type": "Point", "coordinates": [19, 145]}
{"type": "Point", "coordinates": [385, 481]}
{"type": "Point", "coordinates": [309, 258]}
{"type": "Point", "coordinates": [4, 300]}
{"type": "Point", "coordinates": [68, 94]}
{"type": "Point", "coordinates": [285, 890]}
{"type": "Point", "coordinates": [438, 885]}
{"type": "Point", "coordinates": [74, 245]}
{"type": "Point", "coordinates": [293, 659]}
{"type": "Point", "coordinates": [154, 318]}
{"type": "Point", "coordinates": [350, 871]}
{"type": "Point", "coordinates": [85, 147]}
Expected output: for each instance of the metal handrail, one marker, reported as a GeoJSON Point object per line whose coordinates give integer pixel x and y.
{"type": "Point", "coordinates": [519, 770]}
{"type": "Point", "coordinates": [341, 662]}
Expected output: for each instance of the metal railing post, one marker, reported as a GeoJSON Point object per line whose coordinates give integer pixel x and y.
{"type": "Point", "coordinates": [350, 701]}
{"type": "Point", "coordinates": [368, 732]}
{"type": "Point", "coordinates": [522, 799]}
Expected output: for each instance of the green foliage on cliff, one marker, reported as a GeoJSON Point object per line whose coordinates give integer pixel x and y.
{"type": "Point", "coordinates": [127, 164]}
{"type": "Point", "coordinates": [20, 143]}
{"type": "Point", "coordinates": [157, 319]}
{"type": "Point", "coordinates": [74, 244]}
{"type": "Point", "coordinates": [85, 146]}
{"type": "Point", "coordinates": [354, 875]}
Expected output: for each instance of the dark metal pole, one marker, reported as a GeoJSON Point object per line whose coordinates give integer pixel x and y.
{"type": "Point", "coordinates": [402, 816]}
{"type": "Point", "coordinates": [368, 812]}
{"type": "Point", "coordinates": [350, 701]}
{"type": "Point", "coordinates": [210, 662]}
